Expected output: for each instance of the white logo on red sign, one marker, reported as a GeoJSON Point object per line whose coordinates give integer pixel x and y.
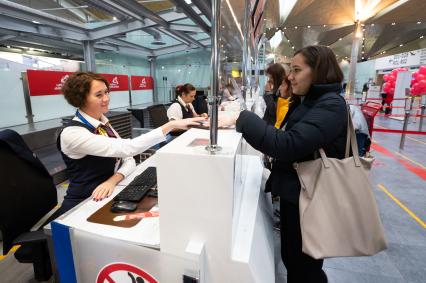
{"type": "Point", "coordinates": [61, 84]}
{"type": "Point", "coordinates": [124, 272]}
{"type": "Point", "coordinates": [115, 83]}
{"type": "Point", "coordinates": [143, 83]}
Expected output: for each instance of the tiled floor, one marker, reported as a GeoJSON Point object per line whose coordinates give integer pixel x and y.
{"type": "Point", "coordinates": [403, 175]}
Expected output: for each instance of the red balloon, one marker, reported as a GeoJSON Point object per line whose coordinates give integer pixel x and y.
{"type": "Point", "coordinates": [403, 69]}
{"type": "Point", "coordinates": [392, 83]}
{"type": "Point", "coordinates": [386, 77]}
{"type": "Point", "coordinates": [422, 70]}
{"type": "Point", "coordinates": [422, 84]}
{"type": "Point", "coordinates": [420, 77]}
{"type": "Point", "coordinates": [413, 81]}
{"type": "Point", "coordinates": [413, 91]}
{"type": "Point", "coordinates": [391, 78]}
{"type": "Point", "coordinates": [386, 87]}
{"type": "Point", "coordinates": [395, 72]}
{"type": "Point", "coordinates": [392, 90]}
{"type": "Point", "coordinates": [415, 74]}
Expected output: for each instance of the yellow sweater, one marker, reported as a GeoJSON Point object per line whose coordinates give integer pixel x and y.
{"type": "Point", "coordinates": [282, 109]}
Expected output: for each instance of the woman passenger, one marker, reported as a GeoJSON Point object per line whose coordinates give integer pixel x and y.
{"type": "Point", "coordinates": [318, 121]}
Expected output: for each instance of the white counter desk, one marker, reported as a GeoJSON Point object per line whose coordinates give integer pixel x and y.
{"type": "Point", "coordinates": [213, 227]}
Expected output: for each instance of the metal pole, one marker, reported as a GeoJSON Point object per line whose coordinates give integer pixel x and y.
{"type": "Point", "coordinates": [130, 91]}
{"type": "Point", "coordinates": [27, 98]}
{"type": "Point", "coordinates": [89, 55]}
{"type": "Point", "coordinates": [354, 59]}
{"type": "Point", "coordinates": [404, 128]}
{"type": "Point", "coordinates": [213, 98]}
{"type": "Point", "coordinates": [152, 71]}
{"type": "Point", "coordinates": [422, 113]}
{"type": "Point", "coordinates": [245, 49]}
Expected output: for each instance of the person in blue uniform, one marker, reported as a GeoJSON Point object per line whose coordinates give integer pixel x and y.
{"type": "Point", "coordinates": [95, 155]}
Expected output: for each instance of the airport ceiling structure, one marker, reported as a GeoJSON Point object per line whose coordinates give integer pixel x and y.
{"type": "Point", "coordinates": [148, 28]}
{"type": "Point", "coordinates": [389, 26]}
{"type": "Point", "coordinates": [152, 28]}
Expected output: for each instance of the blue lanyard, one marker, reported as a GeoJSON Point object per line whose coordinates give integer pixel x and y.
{"type": "Point", "coordinates": [84, 120]}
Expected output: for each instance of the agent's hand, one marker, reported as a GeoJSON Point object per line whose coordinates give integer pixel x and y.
{"type": "Point", "coordinates": [184, 124]}
{"type": "Point", "coordinates": [102, 191]}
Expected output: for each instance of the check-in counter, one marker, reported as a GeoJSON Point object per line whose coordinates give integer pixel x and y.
{"type": "Point", "coordinates": [214, 222]}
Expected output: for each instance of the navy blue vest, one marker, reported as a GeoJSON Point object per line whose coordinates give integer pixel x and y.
{"type": "Point", "coordinates": [185, 112]}
{"type": "Point", "coordinates": [84, 174]}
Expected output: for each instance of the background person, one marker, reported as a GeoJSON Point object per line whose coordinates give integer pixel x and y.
{"type": "Point", "coordinates": [182, 108]}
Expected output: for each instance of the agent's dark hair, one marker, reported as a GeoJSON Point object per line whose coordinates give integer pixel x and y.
{"type": "Point", "coordinates": [77, 87]}
{"type": "Point", "coordinates": [184, 89]}
{"type": "Point", "coordinates": [277, 72]}
{"type": "Point", "coordinates": [322, 60]}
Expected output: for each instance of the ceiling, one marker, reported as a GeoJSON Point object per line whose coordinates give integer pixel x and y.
{"type": "Point", "coordinates": [148, 28]}
{"type": "Point", "coordinates": [389, 26]}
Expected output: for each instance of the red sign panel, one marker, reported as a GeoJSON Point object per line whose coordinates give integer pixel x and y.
{"type": "Point", "coordinates": [46, 82]}
{"type": "Point", "coordinates": [142, 83]}
{"type": "Point", "coordinates": [117, 82]}
{"type": "Point", "coordinates": [51, 82]}
{"type": "Point", "coordinates": [124, 272]}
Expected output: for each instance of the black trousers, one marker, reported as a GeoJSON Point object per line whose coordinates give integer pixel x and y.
{"type": "Point", "coordinates": [301, 268]}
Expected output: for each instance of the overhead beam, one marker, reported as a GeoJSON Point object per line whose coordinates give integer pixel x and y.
{"type": "Point", "coordinates": [71, 8]}
{"type": "Point", "coordinates": [23, 12]}
{"type": "Point", "coordinates": [178, 48]}
{"type": "Point", "coordinates": [182, 27]}
{"type": "Point", "coordinates": [132, 8]}
{"type": "Point", "coordinates": [190, 13]}
{"type": "Point", "coordinates": [7, 37]}
{"type": "Point", "coordinates": [205, 7]}
{"type": "Point", "coordinates": [121, 43]}
{"type": "Point", "coordinates": [19, 25]}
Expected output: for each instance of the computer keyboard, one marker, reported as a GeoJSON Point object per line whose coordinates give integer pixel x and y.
{"type": "Point", "coordinates": [140, 186]}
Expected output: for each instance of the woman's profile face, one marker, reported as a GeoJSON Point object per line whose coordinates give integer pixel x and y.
{"type": "Point", "coordinates": [300, 75]}
{"type": "Point", "coordinates": [189, 97]}
{"type": "Point", "coordinates": [97, 101]}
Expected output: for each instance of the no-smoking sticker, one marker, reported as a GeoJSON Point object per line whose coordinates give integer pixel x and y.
{"type": "Point", "coordinates": [123, 273]}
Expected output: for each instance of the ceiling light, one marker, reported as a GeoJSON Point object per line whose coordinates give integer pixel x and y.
{"type": "Point", "coordinates": [309, 26]}
{"type": "Point", "coordinates": [384, 52]}
{"type": "Point", "coordinates": [295, 27]}
{"type": "Point", "coordinates": [362, 52]}
{"type": "Point", "coordinates": [340, 38]}
{"type": "Point", "coordinates": [35, 22]}
{"type": "Point", "coordinates": [188, 1]}
{"type": "Point", "coordinates": [324, 26]}
{"type": "Point", "coordinates": [401, 45]}
{"type": "Point", "coordinates": [162, 67]}
{"type": "Point", "coordinates": [362, 58]}
{"type": "Point", "coordinates": [372, 25]}
{"type": "Point", "coordinates": [31, 49]}
{"type": "Point", "coordinates": [292, 47]}
{"type": "Point", "coordinates": [393, 24]}
{"type": "Point", "coordinates": [8, 46]}
{"type": "Point", "coordinates": [114, 18]}
{"type": "Point", "coordinates": [178, 70]}
{"type": "Point", "coordinates": [285, 27]}
{"type": "Point", "coordinates": [419, 23]}
{"type": "Point", "coordinates": [421, 37]}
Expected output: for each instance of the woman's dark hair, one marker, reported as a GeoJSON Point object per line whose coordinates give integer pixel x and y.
{"type": "Point", "coordinates": [184, 89]}
{"type": "Point", "coordinates": [277, 72]}
{"type": "Point", "coordinates": [322, 60]}
{"type": "Point", "coordinates": [77, 87]}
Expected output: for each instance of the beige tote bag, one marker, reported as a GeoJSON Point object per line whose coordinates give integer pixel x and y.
{"type": "Point", "coordinates": [337, 207]}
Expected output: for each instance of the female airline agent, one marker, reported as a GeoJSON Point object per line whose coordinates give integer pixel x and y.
{"type": "Point", "coordinates": [96, 157]}
{"type": "Point", "coordinates": [318, 121]}
{"type": "Point", "coordinates": [182, 107]}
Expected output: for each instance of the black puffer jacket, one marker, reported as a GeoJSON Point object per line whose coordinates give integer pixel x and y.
{"type": "Point", "coordinates": [319, 121]}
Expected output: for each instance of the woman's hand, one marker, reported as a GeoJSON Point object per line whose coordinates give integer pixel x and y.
{"type": "Point", "coordinates": [182, 124]}
{"type": "Point", "coordinates": [228, 120]}
{"type": "Point", "coordinates": [104, 190]}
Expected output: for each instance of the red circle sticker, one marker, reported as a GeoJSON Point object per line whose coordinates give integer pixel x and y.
{"type": "Point", "coordinates": [124, 272]}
